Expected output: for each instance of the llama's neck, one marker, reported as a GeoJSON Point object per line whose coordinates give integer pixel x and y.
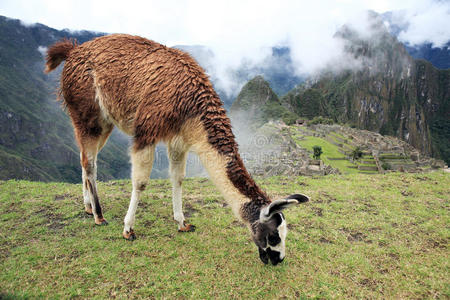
{"type": "Point", "coordinates": [219, 155]}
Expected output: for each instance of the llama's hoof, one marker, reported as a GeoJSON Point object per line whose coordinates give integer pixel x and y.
{"type": "Point", "coordinates": [187, 228]}
{"type": "Point", "coordinates": [129, 235]}
{"type": "Point", "coordinates": [88, 211]}
{"type": "Point", "coordinates": [101, 222]}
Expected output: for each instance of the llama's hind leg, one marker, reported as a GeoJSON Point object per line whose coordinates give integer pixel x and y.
{"type": "Point", "coordinates": [141, 167]}
{"type": "Point", "coordinates": [89, 150]}
{"type": "Point", "coordinates": [177, 153]}
{"type": "Point", "coordinates": [86, 196]}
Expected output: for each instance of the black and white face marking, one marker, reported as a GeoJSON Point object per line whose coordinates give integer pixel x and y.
{"type": "Point", "coordinates": [271, 229]}
{"type": "Point", "coordinates": [274, 242]}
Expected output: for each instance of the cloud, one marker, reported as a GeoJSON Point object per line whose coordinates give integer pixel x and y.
{"type": "Point", "coordinates": [430, 24]}
{"type": "Point", "coordinates": [42, 50]}
{"type": "Point", "coordinates": [239, 31]}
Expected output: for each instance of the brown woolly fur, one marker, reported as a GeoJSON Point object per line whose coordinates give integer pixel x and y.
{"type": "Point", "coordinates": [59, 52]}
{"type": "Point", "coordinates": [149, 91]}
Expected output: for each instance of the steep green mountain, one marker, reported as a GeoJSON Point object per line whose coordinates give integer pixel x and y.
{"type": "Point", "coordinates": [388, 92]}
{"type": "Point", "coordinates": [36, 137]}
{"type": "Point", "coordinates": [257, 103]}
{"type": "Point", "coordinates": [277, 68]}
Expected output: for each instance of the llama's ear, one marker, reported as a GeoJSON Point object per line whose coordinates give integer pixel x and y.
{"type": "Point", "coordinates": [299, 197]}
{"type": "Point", "coordinates": [278, 205]}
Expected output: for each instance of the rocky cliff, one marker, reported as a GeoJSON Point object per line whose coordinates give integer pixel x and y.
{"type": "Point", "coordinates": [387, 92]}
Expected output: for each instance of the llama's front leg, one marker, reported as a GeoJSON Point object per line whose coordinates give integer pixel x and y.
{"type": "Point", "coordinates": [177, 169]}
{"type": "Point", "coordinates": [141, 167]}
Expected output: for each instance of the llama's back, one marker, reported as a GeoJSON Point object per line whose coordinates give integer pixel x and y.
{"type": "Point", "coordinates": [136, 81]}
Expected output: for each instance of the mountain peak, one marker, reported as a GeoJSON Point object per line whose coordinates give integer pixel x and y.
{"type": "Point", "coordinates": [257, 102]}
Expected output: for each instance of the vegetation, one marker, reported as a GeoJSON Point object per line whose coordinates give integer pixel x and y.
{"type": "Point", "coordinates": [36, 136]}
{"type": "Point", "coordinates": [379, 97]}
{"type": "Point", "coordinates": [361, 236]}
{"type": "Point", "coordinates": [317, 151]}
{"type": "Point", "coordinates": [386, 166]}
{"type": "Point", "coordinates": [330, 152]}
{"type": "Point", "coordinates": [356, 153]}
{"type": "Point", "coordinates": [257, 103]}
{"type": "Point", "coordinates": [321, 120]}
{"type": "Point", "coordinates": [274, 111]}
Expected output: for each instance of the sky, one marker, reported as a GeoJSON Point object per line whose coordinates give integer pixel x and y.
{"type": "Point", "coordinates": [237, 30]}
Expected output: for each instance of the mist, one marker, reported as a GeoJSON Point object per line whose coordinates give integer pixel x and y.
{"type": "Point", "coordinates": [244, 33]}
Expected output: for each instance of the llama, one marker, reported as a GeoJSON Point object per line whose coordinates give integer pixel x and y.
{"type": "Point", "coordinates": [158, 94]}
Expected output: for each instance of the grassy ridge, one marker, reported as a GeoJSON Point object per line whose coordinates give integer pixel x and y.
{"type": "Point", "coordinates": [329, 150]}
{"type": "Point", "coordinates": [361, 236]}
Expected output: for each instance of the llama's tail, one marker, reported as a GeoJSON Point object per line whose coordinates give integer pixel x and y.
{"type": "Point", "coordinates": [58, 52]}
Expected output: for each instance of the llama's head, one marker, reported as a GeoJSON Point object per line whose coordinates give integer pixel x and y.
{"type": "Point", "coordinates": [269, 232]}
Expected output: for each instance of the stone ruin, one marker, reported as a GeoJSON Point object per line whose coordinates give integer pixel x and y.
{"type": "Point", "coordinates": [398, 154]}
{"type": "Point", "coordinates": [270, 151]}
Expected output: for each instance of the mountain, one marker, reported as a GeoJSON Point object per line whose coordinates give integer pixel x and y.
{"type": "Point", "coordinates": [277, 68]}
{"type": "Point", "coordinates": [438, 56]}
{"type": "Point", "coordinates": [389, 92]}
{"type": "Point", "coordinates": [258, 103]}
{"type": "Point", "coordinates": [36, 136]}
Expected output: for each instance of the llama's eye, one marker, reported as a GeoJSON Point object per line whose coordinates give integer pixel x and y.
{"type": "Point", "coordinates": [274, 239]}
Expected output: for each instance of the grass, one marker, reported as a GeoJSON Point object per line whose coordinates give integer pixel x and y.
{"type": "Point", "coordinates": [361, 236]}
{"type": "Point", "coordinates": [329, 150]}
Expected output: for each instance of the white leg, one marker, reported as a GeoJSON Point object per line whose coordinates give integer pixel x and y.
{"type": "Point", "coordinates": [177, 169]}
{"type": "Point", "coordinates": [86, 197]}
{"type": "Point", "coordinates": [141, 167]}
{"type": "Point", "coordinates": [89, 176]}
{"type": "Point", "coordinates": [177, 152]}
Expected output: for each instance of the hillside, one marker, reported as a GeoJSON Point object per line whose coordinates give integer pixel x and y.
{"type": "Point", "coordinates": [360, 236]}
{"type": "Point", "coordinates": [390, 93]}
{"type": "Point", "coordinates": [277, 68]}
{"type": "Point", "coordinates": [36, 137]}
{"type": "Point", "coordinates": [257, 103]}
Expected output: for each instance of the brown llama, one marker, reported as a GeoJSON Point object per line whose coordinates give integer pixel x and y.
{"type": "Point", "coordinates": [155, 93]}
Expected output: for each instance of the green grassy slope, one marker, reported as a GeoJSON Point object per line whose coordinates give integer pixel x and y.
{"type": "Point", "coordinates": [361, 236]}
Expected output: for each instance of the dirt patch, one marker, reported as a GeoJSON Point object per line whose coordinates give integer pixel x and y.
{"type": "Point", "coordinates": [355, 236]}
{"type": "Point", "coordinates": [61, 197]}
{"type": "Point", "coordinates": [324, 197]}
{"type": "Point", "coordinates": [52, 221]}
{"type": "Point", "coordinates": [370, 208]}
{"type": "Point", "coordinates": [407, 193]}
{"type": "Point", "coordinates": [189, 210]}
{"type": "Point", "coordinates": [81, 215]}
{"type": "Point", "coordinates": [291, 226]}
{"type": "Point", "coordinates": [148, 223]}
{"type": "Point", "coordinates": [439, 243]}
{"type": "Point", "coordinates": [143, 205]}
{"type": "Point", "coordinates": [422, 178]}
{"type": "Point", "coordinates": [374, 229]}
{"type": "Point", "coordinates": [13, 207]}
{"type": "Point", "coordinates": [382, 243]}
{"type": "Point", "coordinates": [325, 241]}
{"type": "Point", "coordinates": [237, 223]}
{"type": "Point", "coordinates": [317, 211]}
{"type": "Point", "coordinates": [4, 251]}
{"type": "Point", "coordinates": [369, 283]}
